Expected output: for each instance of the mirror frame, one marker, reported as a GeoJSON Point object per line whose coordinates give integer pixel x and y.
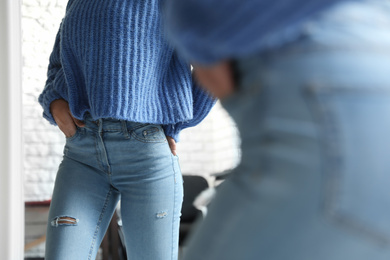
{"type": "Point", "coordinates": [11, 151]}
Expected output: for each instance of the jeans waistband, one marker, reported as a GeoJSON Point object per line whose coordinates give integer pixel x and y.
{"type": "Point", "coordinates": [110, 124]}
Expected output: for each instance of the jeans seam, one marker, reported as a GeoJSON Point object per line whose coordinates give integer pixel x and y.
{"type": "Point", "coordinates": [97, 153]}
{"type": "Point", "coordinates": [99, 222]}
{"type": "Point", "coordinates": [173, 217]}
{"type": "Point", "coordinates": [174, 205]}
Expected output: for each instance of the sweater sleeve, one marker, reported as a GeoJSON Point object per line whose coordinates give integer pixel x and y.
{"type": "Point", "coordinates": [56, 86]}
{"type": "Point", "coordinates": [202, 104]}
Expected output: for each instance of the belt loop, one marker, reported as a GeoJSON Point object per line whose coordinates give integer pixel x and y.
{"type": "Point", "coordinates": [124, 129]}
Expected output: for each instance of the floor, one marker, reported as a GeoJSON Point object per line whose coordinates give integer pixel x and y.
{"type": "Point", "coordinates": [35, 228]}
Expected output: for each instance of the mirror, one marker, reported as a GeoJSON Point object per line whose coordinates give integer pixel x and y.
{"type": "Point", "coordinates": [209, 148]}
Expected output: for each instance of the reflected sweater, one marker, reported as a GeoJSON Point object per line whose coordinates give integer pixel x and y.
{"type": "Point", "coordinates": [110, 59]}
{"type": "Point", "coordinates": [207, 31]}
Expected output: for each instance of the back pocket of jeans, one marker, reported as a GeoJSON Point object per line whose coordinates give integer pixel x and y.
{"type": "Point", "coordinates": [355, 125]}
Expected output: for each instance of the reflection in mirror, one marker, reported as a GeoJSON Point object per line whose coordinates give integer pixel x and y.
{"type": "Point", "coordinates": [207, 149]}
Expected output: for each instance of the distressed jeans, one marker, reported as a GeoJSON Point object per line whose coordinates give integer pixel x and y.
{"type": "Point", "coordinates": [106, 161]}
{"type": "Point", "coordinates": [314, 120]}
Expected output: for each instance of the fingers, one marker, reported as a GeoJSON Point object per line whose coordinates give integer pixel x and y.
{"type": "Point", "coordinates": [172, 144]}
{"type": "Point", "coordinates": [78, 122]}
{"type": "Point", "coordinates": [218, 79]}
{"type": "Point", "coordinates": [67, 125]}
{"type": "Point", "coordinates": [66, 122]}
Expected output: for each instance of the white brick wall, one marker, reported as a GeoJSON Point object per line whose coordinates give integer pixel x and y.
{"type": "Point", "coordinates": [208, 148]}
{"type": "Point", "coordinates": [43, 143]}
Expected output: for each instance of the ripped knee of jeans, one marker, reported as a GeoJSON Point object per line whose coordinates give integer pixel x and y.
{"type": "Point", "coordinates": [64, 220]}
{"type": "Point", "coordinates": [161, 214]}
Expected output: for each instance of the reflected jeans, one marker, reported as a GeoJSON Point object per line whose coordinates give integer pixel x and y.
{"type": "Point", "coordinates": [314, 120]}
{"type": "Point", "coordinates": [107, 161]}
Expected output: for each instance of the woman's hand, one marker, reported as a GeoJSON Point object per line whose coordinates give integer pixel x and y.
{"type": "Point", "coordinates": [172, 144]}
{"type": "Point", "coordinates": [59, 108]}
{"type": "Point", "coordinates": [217, 79]}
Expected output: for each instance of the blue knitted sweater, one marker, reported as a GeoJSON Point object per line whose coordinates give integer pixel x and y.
{"type": "Point", "coordinates": [207, 31]}
{"type": "Point", "coordinates": [110, 59]}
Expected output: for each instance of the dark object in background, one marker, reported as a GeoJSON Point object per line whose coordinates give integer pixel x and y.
{"type": "Point", "coordinates": [193, 186]}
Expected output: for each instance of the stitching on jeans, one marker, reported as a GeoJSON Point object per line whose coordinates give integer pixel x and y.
{"type": "Point", "coordinates": [97, 154]}
{"type": "Point", "coordinates": [174, 203]}
{"type": "Point", "coordinates": [148, 140]}
{"type": "Point", "coordinates": [144, 140]}
{"type": "Point", "coordinates": [332, 164]}
{"type": "Point", "coordinates": [173, 165]}
{"type": "Point", "coordinates": [104, 154]}
{"type": "Point", "coordinates": [99, 222]}
{"type": "Point", "coordinates": [112, 130]}
{"type": "Point", "coordinates": [71, 138]}
{"type": "Point", "coordinates": [138, 126]}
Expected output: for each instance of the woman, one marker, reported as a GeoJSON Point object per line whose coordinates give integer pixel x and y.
{"type": "Point", "coordinates": [121, 95]}
{"type": "Point", "coordinates": [308, 85]}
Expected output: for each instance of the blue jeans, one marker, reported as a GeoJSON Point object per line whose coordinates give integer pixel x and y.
{"type": "Point", "coordinates": [314, 119]}
{"type": "Point", "coordinates": [107, 161]}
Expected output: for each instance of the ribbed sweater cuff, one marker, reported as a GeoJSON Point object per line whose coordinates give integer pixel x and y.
{"type": "Point", "coordinates": [173, 131]}
{"type": "Point", "coordinates": [56, 88]}
{"type": "Point", "coordinates": [50, 94]}
{"type": "Point", "coordinates": [45, 100]}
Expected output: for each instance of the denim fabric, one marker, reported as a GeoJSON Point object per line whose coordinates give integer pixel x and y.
{"type": "Point", "coordinates": [314, 119]}
{"type": "Point", "coordinates": [110, 160]}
